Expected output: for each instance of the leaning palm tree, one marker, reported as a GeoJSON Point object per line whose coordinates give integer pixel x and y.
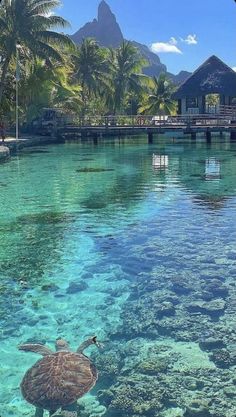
{"type": "Point", "coordinates": [126, 74]}
{"type": "Point", "coordinates": [159, 99]}
{"type": "Point", "coordinates": [29, 25]}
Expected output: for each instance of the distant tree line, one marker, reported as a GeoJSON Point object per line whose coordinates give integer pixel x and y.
{"type": "Point", "coordinates": [53, 72]}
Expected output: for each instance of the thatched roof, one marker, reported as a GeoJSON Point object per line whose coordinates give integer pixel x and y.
{"type": "Point", "coordinates": [212, 77]}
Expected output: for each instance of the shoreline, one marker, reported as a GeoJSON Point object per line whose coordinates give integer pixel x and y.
{"type": "Point", "coordinates": [10, 145]}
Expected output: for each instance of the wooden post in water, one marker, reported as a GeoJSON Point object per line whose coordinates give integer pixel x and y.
{"type": "Point", "coordinates": [193, 136]}
{"type": "Point", "coordinates": [84, 134]}
{"type": "Point", "coordinates": [95, 138]}
{"type": "Point", "coordinates": [233, 135]}
{"type": "Point", "coordinates": [208, 136]}
{"type": "Point", "coordinates": [150, 138]}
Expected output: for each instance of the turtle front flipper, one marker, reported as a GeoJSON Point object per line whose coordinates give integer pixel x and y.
{"type": "Point", "coordinates": [36, 348]}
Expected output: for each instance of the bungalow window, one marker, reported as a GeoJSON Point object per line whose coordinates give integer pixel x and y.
{"type": "Point", "coordinates": [191, 102]}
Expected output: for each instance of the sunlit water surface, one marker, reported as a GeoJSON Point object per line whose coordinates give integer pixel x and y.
{"type": "Point", "coordinates": [137, 249]}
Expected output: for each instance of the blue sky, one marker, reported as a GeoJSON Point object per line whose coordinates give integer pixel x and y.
{"type": "Point", "coordinates": [191, 31]}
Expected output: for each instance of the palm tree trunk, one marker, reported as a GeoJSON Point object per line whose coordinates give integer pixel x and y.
{"type": "Point", "coordinates": [3, 76]}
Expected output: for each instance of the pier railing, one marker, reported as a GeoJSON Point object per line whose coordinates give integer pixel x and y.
{"type": "Point", "coordinates": [140, 121]}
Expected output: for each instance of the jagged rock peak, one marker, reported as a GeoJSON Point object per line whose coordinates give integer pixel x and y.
{"type": "Point", "coordinates": [104, 29]}
{"type": "Point", "coordinates": [104, 11]}
{"type": "Point", "coordinates": [107, 32]}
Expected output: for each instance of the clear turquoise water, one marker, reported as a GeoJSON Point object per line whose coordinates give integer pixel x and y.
{"type": "Point", "coordinates": [104, 252]}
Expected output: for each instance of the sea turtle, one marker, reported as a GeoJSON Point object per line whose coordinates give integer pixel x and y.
{"type": "Point", "coordinates": [59, 378]}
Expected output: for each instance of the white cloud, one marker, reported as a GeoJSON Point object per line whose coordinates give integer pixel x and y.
{"type": "Point", "coordinates": [234, 68]}
{"type": "Point", "coordinates": [190, 40]}
{"type": "Point", "coordinates": [173, 40]}
{"type": "Point", "coordinates": [166, 47]}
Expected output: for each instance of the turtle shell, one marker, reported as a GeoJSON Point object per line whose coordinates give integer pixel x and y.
{"type": "Point", "coordinates": [58, 380]}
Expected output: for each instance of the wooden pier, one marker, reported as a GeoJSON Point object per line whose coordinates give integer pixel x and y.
{"type": "Point", "coordinates": [100, 126]}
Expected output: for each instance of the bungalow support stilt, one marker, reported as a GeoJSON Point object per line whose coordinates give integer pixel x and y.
{"type": "Point", "coordinates": [95, 139]}
{"type": "Point", "coordinates": [233, 135]}
{"type": "Point", "coordinates": [150, 137]}
{"type": "Point", "coordinates": [193, 136]}
{"type": "Point", "coordinates": [208, 136]}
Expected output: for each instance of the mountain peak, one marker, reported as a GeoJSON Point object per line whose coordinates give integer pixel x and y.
{"type": "Point", "coordinates": [107, 18]}
{"type": "Point", "coordinates": [104, 8]}
{"type": "Point", "coordinates": [104, 29]}
{"type": "Point", "coordinates": [107, 32]}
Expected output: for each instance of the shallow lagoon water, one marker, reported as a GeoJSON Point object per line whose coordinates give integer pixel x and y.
{"type": "Point", "coordinates": [107, 240]}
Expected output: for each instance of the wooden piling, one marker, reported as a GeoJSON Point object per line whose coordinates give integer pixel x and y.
{"type": "Point", "coordinates": [95, 139]}
{"type": "Point", "coordinates": [150, 137]}
{"type": "Point", "coordinates": [233, 135]}
{"type": "Point", "coordinates": [208, 136]}
{"type": "Point", "coordinates": [193, 135]}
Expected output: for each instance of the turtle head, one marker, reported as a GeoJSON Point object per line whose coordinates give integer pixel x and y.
{"type": "Point", "coordinates": [61, 344]}
{"type": "Point", "coordinates": [94, 340]}
{"type": "Point", "coordinates": [91, 341]}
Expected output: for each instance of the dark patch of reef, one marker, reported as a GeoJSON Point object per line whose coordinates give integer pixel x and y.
{"type": "Point", "coordinates": [91, 169]}
{"type": "Point", "coordinates": [174, 355]}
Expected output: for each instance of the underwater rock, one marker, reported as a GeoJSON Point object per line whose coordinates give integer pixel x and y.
{"type": "Point", "coordinates": [85, 170]}
{"type": "Point", "coordinates": [10, 332]}
{"type": "Point", "coordinates": [35, 340]}
{"type": "Point", "coordinates": [231, 255]}
{"type": "Point", "coordinates": [232, 351]}
{"type": "Point", "coordinates": [153, 366]}
{"type": "Point", "coordinates": [106, 396]}
{"type": "Point", "coordinates": [206, 295]}
{"type": "Point", "coordinates": [172, 412]}
{"type": "Point", "coordinates": [94, 202]}
{"type": "Point", "coordinates": [216, 288]}
{"type": "Point", "coordinates": [32, 322]}
{"type": "Point", "coordinates": [49, 287]}
{"type": "Point", "coordinates": [230, 391]}
{"type": "Point", "coordinates": [212, 308]}
{"type": "Point", "coordinates": [197, 408]}
{"type": "Point", "coordinates": [181, 287]}
{"type": "Point", "coordinates": [34, 151]}
{"type": "Point", "coordinates": [165, 309]}
{"type": "Point", "coordinates": [47, 217]}
{"type": "Point", "coordinates": [210, 343]}
{"type": "Point", "coordinates": [192, 384]}
{"type": "Point", "coordinates": [142, 398]}
{"type": "Point", "coordinates": [108, 365]}
{"type": "Point", "coordinates": [221, 358]}
{"type": "Point", "coordinates": [75, 287]}
{"type": "Point", "coordinates": [90, 407]}
{"type": "Point", "coordinates": [4, 153]}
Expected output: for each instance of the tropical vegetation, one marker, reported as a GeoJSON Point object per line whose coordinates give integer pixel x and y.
{"type": "Point", "coordinates": [158, 99]}
{"type": "Point", "coordinates": [51, 71]}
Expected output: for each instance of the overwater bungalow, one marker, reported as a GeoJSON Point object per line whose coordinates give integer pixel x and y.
{"type": "Point", "coordinates": [210, 87]}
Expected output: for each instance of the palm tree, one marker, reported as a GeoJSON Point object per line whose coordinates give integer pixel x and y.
{"type": "Point", "coordinates": [29, 24]}
{"type": "Point", "coordinates": [126, 67]}
{"type": "Point", "coordinates": [159, 100]}
{"type": "Point", "coordinates": [44, 86]}
{"type": "Point", "coordinates": [91, 69]}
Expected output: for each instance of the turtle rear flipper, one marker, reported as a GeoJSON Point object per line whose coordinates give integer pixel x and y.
{"type": "Point", "coordinates": [36, 348]}
{"type": "Point", "coordinates": [39, 412]}
{"type": "Point", "coordinates": [52, 412]}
